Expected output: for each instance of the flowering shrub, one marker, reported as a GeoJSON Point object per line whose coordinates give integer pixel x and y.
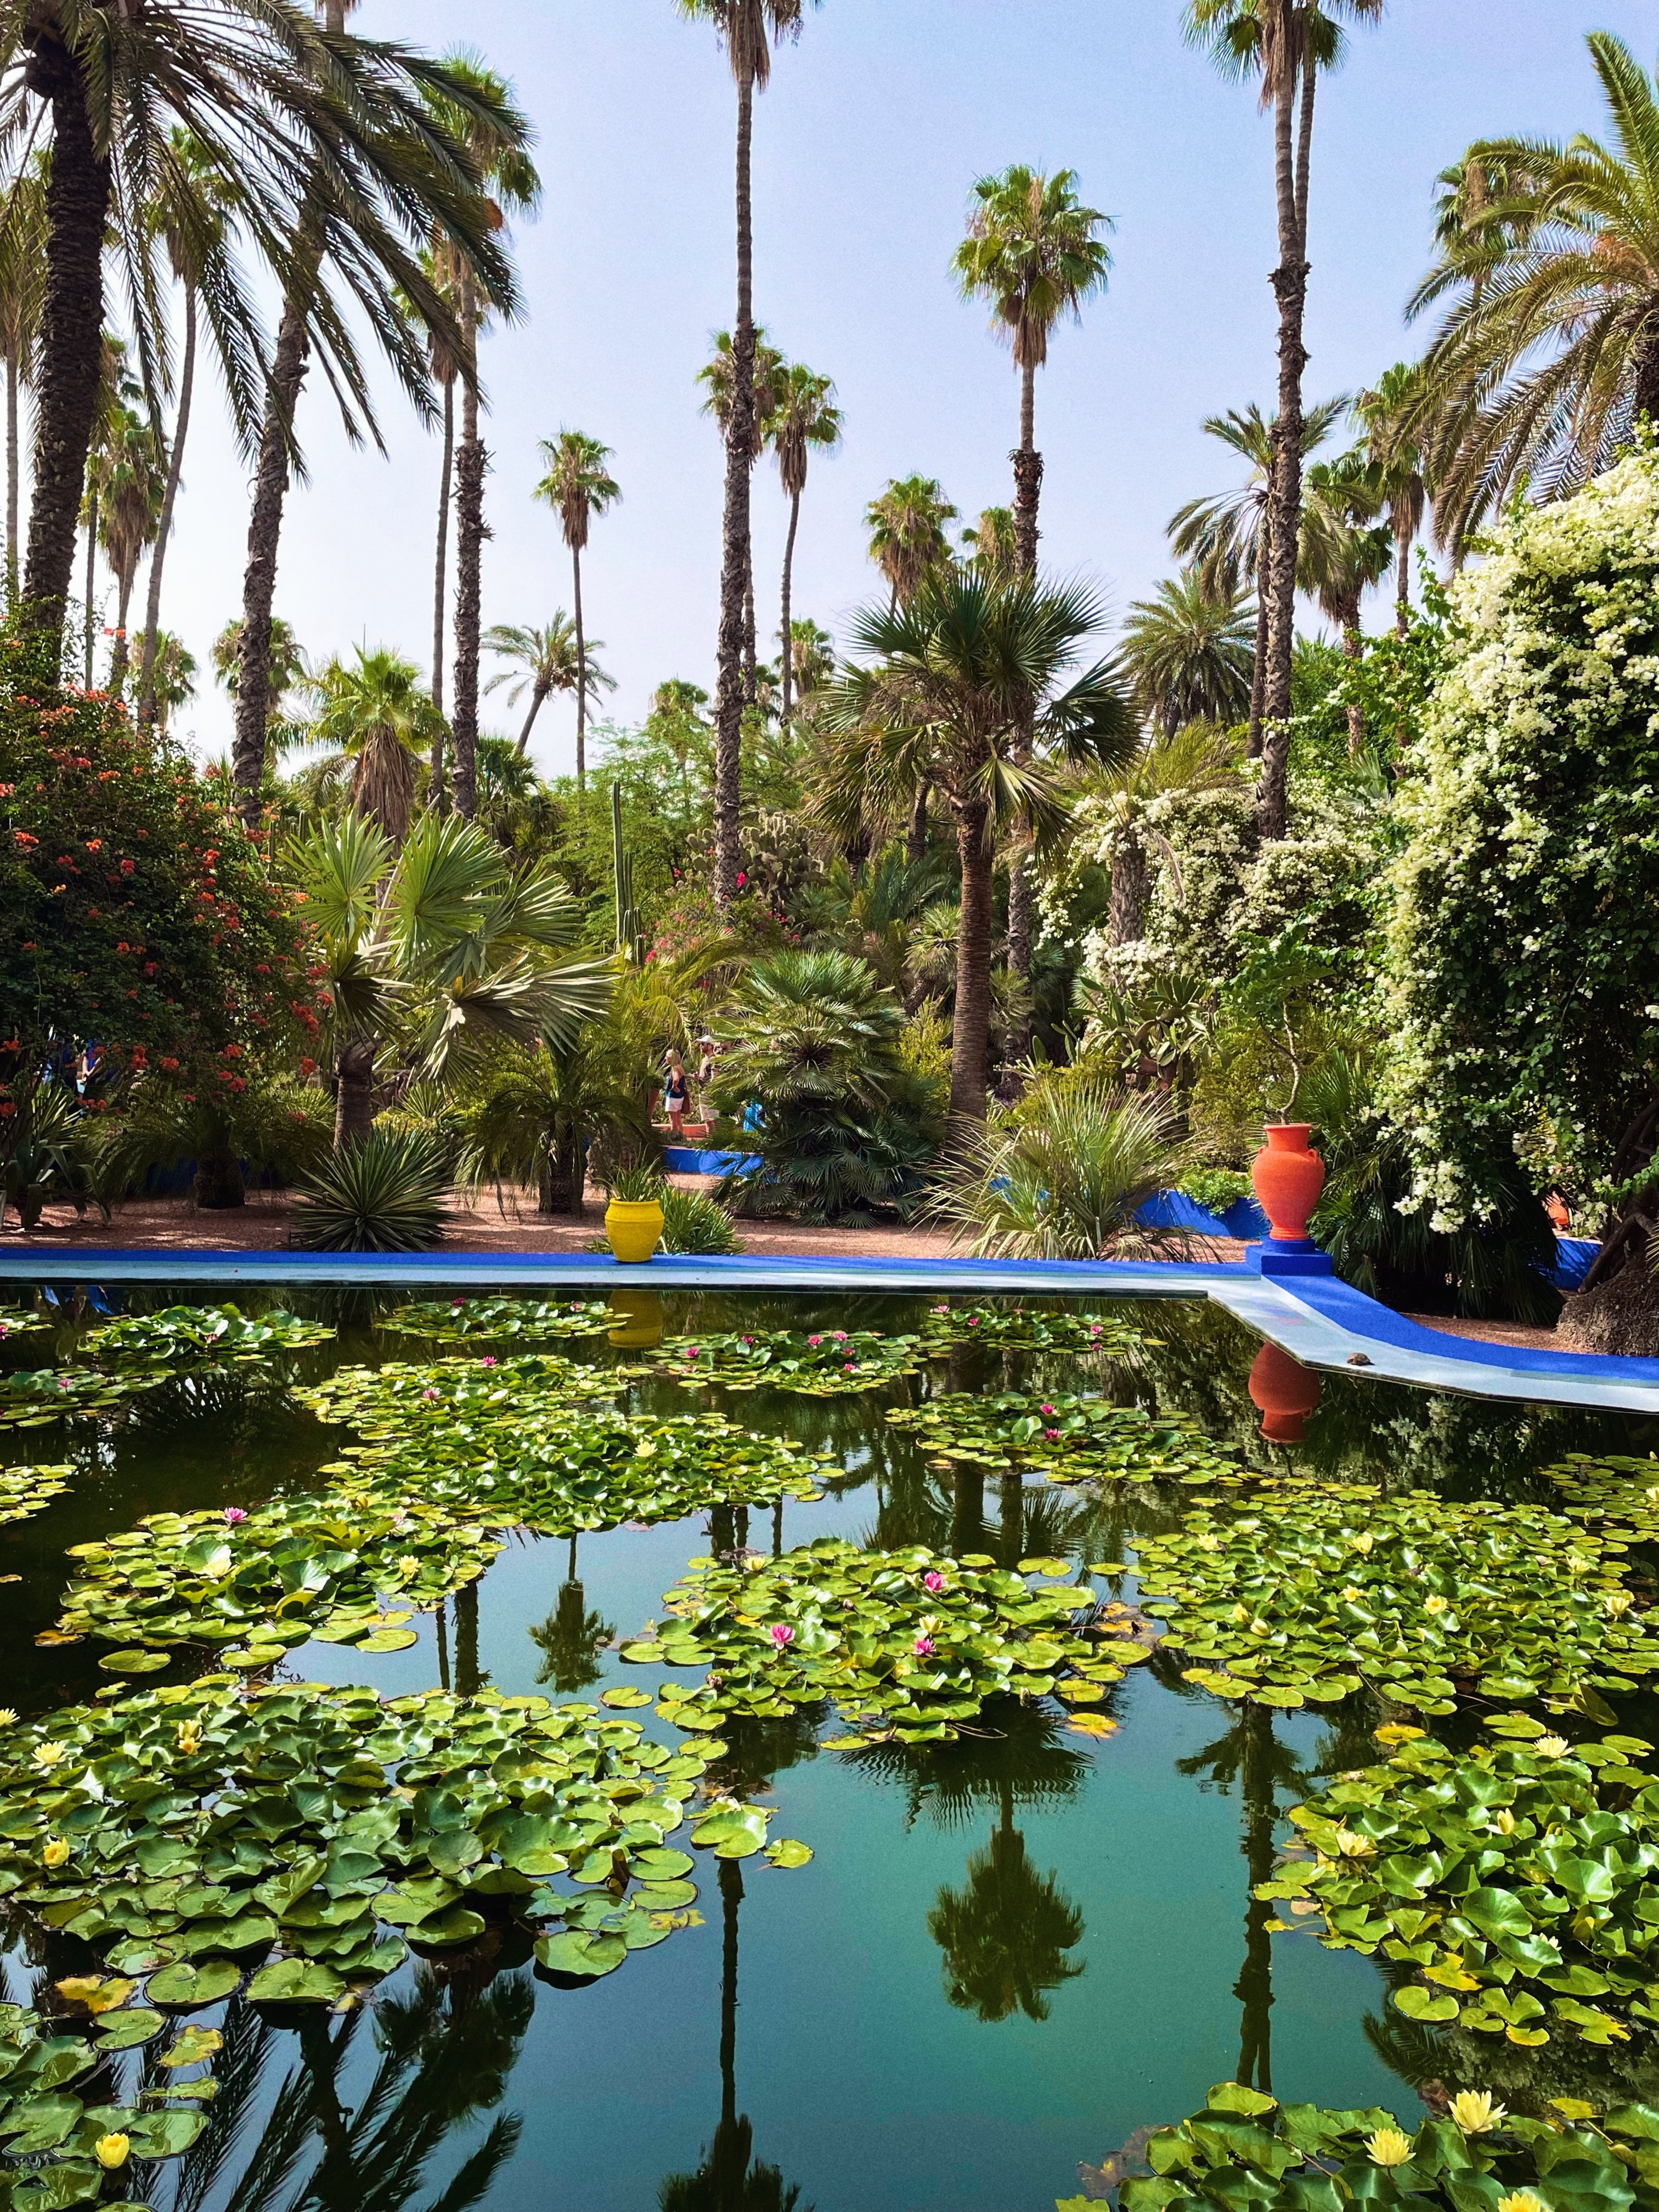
{"type": "Point", "coordinates": [1522, 951]}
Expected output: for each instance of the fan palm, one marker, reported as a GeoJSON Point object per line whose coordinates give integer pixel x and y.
{"type": "Point", "coordinates": [436, 951]}
{"type": "Point", "coordinates": [803, 415]}
{"type": "Point", "coordinates": [1284, 44]}
{"type": "Point", "coordinates": [1551, 348]}
{"type": "Point", "coordinates": [1345, 550]}
{"type": "Point", "coordinates": [373, 712]}
{"type": "Point", "coordinates": [748, 30]}
{"type": "Point", "coordinates": [908, 542]}
{"type": "Point", "coordinates": [173, 678]}
{"type": "Point", "coordinates": [1189, 649]}
{"type": "Point", "coordinates": [541, 661]}
{"type": "Point", "coordinates": [943, 700]}
{"type": "Point", "coordinates": [532, 1116]}
{"type": "Point", "coordinates": [22, 272]}
{"type": "Point", "coordinates": [1230, 533]}
{"type": "Point", "coordinates": [287, 672]}
{"type": "Point", "coordinates": [579, 486]}
{"type": "Point", "coordinates": [811, 656]}
{"type": "Point", "coordinates": [132, 477]}
{"type": "Point", "coordinates": [718, 377]}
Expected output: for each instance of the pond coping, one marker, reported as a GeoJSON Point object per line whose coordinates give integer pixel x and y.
{"type": "Point", "coordinates": [1319, 1320]}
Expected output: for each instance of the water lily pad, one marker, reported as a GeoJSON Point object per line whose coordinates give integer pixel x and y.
{"type": "Point", "coordinates": [388, 1639]}
{"type": "Point", "coordinates": [1066, 1438]}
{"type": "Point", "coordinates": [625, 1696]}
{"type": "Point", "coordinates": [295, 1981]}
{"type": "Point", "coordinates": [787, 1852]}
{"type": "Point", "coordinates": [193, 2045]}
{"type": "Point", "coordinates": [134, 1663]}
{"type": "Point", "coordinates": [186, 1985]}
{"type": "Point", "coordinates": [573, 1953]}
{"type": "Point", "coordinates": [817, 1364]}
{"type": "Point", "coordinates": [124, 2029]}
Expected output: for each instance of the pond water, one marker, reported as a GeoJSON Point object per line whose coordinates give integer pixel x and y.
{"type": "Point", "coordinates": [1009, 1952]}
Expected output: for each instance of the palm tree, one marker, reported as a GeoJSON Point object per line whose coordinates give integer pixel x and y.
{"type": "Point", "coordinates": [747, 29]}
{"type": "Point", "coordinates": [908, 542]}
{"type": "Point", "coordinates": [115, 395]}
{"type": "Point", "coordinates": [1005, 1936]}
{"type": "Point", "coordinates": [579, 486]}
{"type": "Point", "coordinates": [1345, 550]}
{"type": "Point", "coordinates": [541, 661]}
{"type": "Point", "coordinates": [402, 170]}
{"type": "Point", "coordinates": [718, 377]}
{"type": "Point", "coordinates": [189, 220]}
{"type": "Point", "coordinates": [943, 701]}
{"type": "Point", "coordinates": [173, 678]}
{"type": "Point", "coordinates": [1387, 414]}
{"type": "Point", "coordinates": [374, 713]}
{"type": "Point", "coordinates": [132, 479]}
{"type": "Point", "coordinates": [803, 414]}
{"type": "Point", "coordinates": [1285, 43]}
{"type": "Point", "coordinates": [446, 368]}
{"type": "Point", "coordinates": [1195, 757]}
{"type": "Point", "coordinates": [287, 671]}
{"type": "Point", "coordinates": [1550, 350]}
{"type": "Point", "coordinates": [531, 1116]}
{"type": "Point", "coordinates": [1229, 535]}
{"type": "Point", "coordinates": [571, 1638]}
{"type": "Point", "coordinates": [1189, 648]}
{"type": "Point", "coordinates": [22, 268]}
{"type": "Point", "coordinates": [992, 545]}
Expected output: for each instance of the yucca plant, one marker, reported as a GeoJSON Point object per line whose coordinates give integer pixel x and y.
{"type": "Point", "coordinates": [382, 1192]}
{"type": "Point", "coordinates": [637, 1184]}
{"type": "Point", "coordinates": [692, 1222]}
{"type": "Point", "coordinates": [1063, 1176]}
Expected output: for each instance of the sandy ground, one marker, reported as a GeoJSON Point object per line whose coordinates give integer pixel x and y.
{"type": "Point", "coordinates": [1489, 1332]}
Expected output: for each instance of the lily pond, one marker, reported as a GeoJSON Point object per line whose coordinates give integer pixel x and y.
{"type": "Point", "coordinates": [860, 1752]}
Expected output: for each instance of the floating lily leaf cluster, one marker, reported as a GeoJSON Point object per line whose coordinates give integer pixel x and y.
{"type": "Point", "coordinates": [1246, 2153]}
{"type": "Point", "coordinates": [36, 1398]}
{"type": "Point", "coordinates": [20, 1320]}
{"type": "Point", "coordinates": [471, 1404]}
{"type": "Point", "coordinates": [829, 1362]}
{"type": "Point", "coordinates": [1021, 1329]}
{"type": "Point", "coordinates": [1318, 1588]}
{"type": "Point", "coordinates": [186, 1833]}
{"type": "Point", "coordinates": [58, 2150]}
{"type": "Point", "coordinates": [454, 1321]}
{"type": "Point", "coordinates": [181, 1336]}
{"type": "Point", "coordinates": [910, 1642]}
{"type": "Point", "coordinates": [1521, 1882]}
{"type": "Point", "coordinates": [350, 1569]}
{"type": "Point", "coordinates": [1067, 1439]}
{"type": "Point", "coordinates": [1619, 1494]}
{"type": "Point", "coordinates": [27, 1491]}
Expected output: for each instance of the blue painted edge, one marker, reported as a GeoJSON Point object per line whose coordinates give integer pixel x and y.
{"type": "Point", "coordinates": [1351, 1309]}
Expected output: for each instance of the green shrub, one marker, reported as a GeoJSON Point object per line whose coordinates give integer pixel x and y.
{"type": "Point", "coordinates": [1214, 1188]}
{"type": "Point", "coordinates": [694, 1221]}
{"type": "Point", "coordinates": [383, 1192]}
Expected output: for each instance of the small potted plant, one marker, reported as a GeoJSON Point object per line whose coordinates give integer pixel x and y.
{"type": "Point", "coordinates": [633, 1219]}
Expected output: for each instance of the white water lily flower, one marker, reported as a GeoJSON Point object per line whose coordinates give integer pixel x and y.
{"type": "Point", "coordinates": [1550, 1746]}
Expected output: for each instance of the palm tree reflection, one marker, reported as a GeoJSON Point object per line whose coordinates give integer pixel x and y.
{"type": "Point", "coordinates": [571, 1638]}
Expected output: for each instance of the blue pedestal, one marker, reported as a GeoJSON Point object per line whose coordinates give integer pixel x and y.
{"type": "Point", "coordinates": [1287, 1256]}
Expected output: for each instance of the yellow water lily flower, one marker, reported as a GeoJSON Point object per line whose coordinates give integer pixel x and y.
{"type": "Point", "coordinates": [189, 1738]}
{"type": "Point", "coordinates": [1503, 1820]}
{"type": "Point", "coordinates": [57, 1851]}
{"type": "Point", "coordinates": [1618, 1603]}
{"type": "Point", "coordinates": [1434, 1602]}
{"type": "Point", "coordinates": [1520, 2200]}
{"type": "Point", "coordinates": [1389, 2146]}
{"type": "Point", "coordinates": [112, 2150]}
{"type": "Point", "coordinates": [1477, 2112]}
{"type": "Point", "coordinates": [47, 1755]}
{"type": "Point", "coordinates": [8, 1718]}
{"type": "Point", "coordinates": [1550, 1746]}
{"type": "Point", "coordinates": [409, 1566]}
{"type": "Point", "coordinates": [1352, 1846]}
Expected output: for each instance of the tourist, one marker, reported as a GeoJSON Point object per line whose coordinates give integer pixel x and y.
{"type": "Point", "coordinates": [675, 1090]}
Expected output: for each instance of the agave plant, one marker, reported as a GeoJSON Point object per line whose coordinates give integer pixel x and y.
{"type": "Point", "coordinates": [380, 1193]}
{"type": "Point", "coordinates": [1063, 1174]}
{"type": "Point", "coordinates": [692, 1222]}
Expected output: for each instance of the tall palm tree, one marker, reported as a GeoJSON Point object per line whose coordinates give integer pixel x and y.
{"type": "Point", "coordinates": [908, 543]}
{"type": "Point", "coordinates": [1550, 349]}
{"type": "Point", "coordinates": [803, 415]}
{"type": "Point", "coordinates": [1388, 414]}
{"type": "Point", "coordinates": [541, 661]}
{"type": "Point", "coordinates": [133, 486]}
{"type": "Point", "coordinates": [718, 377]}
{"type": "Point", "coordinates": [444, 270]}
{"type": "Point", "coordinates": [1189, 649]}
{"type": "Point", "coordinates": [579, 486]}
{"type": "Point", "coordinates": [811, 656]}
{"type": "Point", "coordinates": [287, 669]}
{"type": "Point", "coordinates": [747, 29]}
{"type": "Point", "coordinates": [113, 402]}
{"type": "Point", "coordinates": [22, 270]}
{"type": "Point", "coordinates": [1345, 550]}
{"type": "Point", "coordinates": [374, 713]}
{"type": "Point", "coordinates": [1284, 44]}
{"type": "Point", "coordinates": [359, 206]}
{"type": "Point", "coordinates": [1230, 534]}
{"type": "Point", "coordinates": [496, 138]}
{"type": "Point", "coordinates": [173, 674]}
{"type": "Point", "coordinates": [943, 701]}
{"type": "Point", "coordinates": [189, 216]}
{"type": "Point", "coordinates": [992, 545]}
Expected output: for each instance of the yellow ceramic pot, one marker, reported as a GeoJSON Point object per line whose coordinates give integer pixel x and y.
{"type": "Point", "coordinates": [638, 1316]}
{"type": "Point", "coordinates": [633, 1227]}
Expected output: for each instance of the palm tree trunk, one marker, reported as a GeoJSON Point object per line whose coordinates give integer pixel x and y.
{"type": "Point", "coordinates": [92, 582]}
{"type": "Point", "coordinates": [1304, 146]}
{"type": "Point", "coordinates": [470, 463]}
{"type": "Point", "coordinates": [11, 475]}
{"type": "Point", "coordinates": [117, 665]}
{"type": "Point", "coordinates": [287, 375]}
{"type": "Point", "coordinates": [1353, 647]}
{"type": "Point", "coordinates": [581, 673]}
{"type": "Point", "coordinates": [1259, 665]}
{"type": "Point", "coordinates": [1402, 588]}
{"type": "Point", "coordinates": [537, 694]}
{"type": "Point", "coordinates": [1028, 489]}
{"type": "Point", "coordinates": [1290, 283]}
{"type": "Point", "coordinates": [71, 334]}
{"type": "Point", "coordinates": [916, 839]}
{"type": "Point", "coordinates": [750, 686]}
{"type": "Point", "coordinates": [354, 1092]}
{"type": "Point", "coordinates": [164, 529]}
{"type": "Point", "coordinates": [734, 543]}
{"type": "Point", "coordinates": [788, 567]}
{"type": "Point", "coordinates": [1027, 475]}
{"type": "Point", "coordinates": [1126, 913]}
{"type": "Point", "coordinates": [970, 1027]}
{"type": "Point", "coordinates": [440, 579]}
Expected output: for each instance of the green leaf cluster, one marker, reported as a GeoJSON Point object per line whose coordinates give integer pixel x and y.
{"type": "Point", "coordinates": [908, 1644]}
{"type": "Point", "coordinates": [1318, 1588]}
{"type": "Point", "coordinates": [472, 1404]}
{"type": "Point", "coordinates": [35, 1398]}
{"type": "Point", "coordinates": [181, 1336]}
{"type": "Point", "coordinates": [20, 1320]}
{"type": "Point", "coordinates": [455, 1320]}
{"type": "Point", "coordinates": [820, 1364]}
{"type": "Point", "coordinates": [1023, 1328]}
{"type": "Point", "coordinates": [1067, 1439]}
{"type": "Point", "coordinates": [1521, 1883]}
{"type": "Point", "coordinates": [185, 1832]}
{"type": "Point", "coordinates": [27, 1491]}
{"type": "Point", "coordinates": [1248, 2153]}
{"type": "Point", "coordinates": [48, 2133]}
{"type": "Point", "coordinates": [349, 1568]}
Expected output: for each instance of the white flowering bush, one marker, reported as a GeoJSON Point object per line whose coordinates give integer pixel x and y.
{"type": "Point", "coordinates": [1522, 975]}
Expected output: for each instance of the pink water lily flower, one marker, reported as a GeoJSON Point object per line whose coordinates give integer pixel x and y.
{"type": "Point", "coordinates": [838, 1335]}
{"type": "Point", "coordinates": [1046, 1409]}
{"type": "Point", "coordinates": [932, 1580]}
{"type": "Point", "coordinates": [429, 1394]}
{"type": "Point", "coordinates": [814, 1341]}
{"type": "Point", "coordinates": [943, 1309]}
{"type": "Point", "coordinates": [782, 1633]}
{"type": "Point", "coordinates": [458, 1302]}
{"type": "Point", "coordinates": [489, 1360]}
{"type": "Point", "coordinates": [923, 1647]}
{"type": "Point", "coordinates": [233, 1515]}
{"type": "Point", "coordinates": [1053, 1435]}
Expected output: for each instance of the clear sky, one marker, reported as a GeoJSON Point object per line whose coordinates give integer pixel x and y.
{"type": "Point", "coordinates": [865, 144]}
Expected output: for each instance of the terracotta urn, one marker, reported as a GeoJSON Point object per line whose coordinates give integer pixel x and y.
{"type": "Point", "coordinates": [1284, 1392]}
{"type": "Point", "coordinates": [633, 1227]}
{"type": "Point", "coordinates": [1288, 1179]}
